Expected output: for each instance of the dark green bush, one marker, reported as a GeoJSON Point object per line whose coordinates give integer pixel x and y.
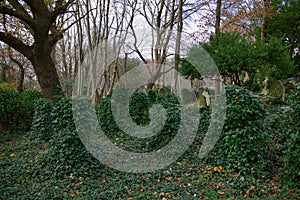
{"type": "Point", "coordinates": [29, 95]}
{"type": "Point", "coordinates": [17, 109]}
{"type": "Point", "coordinates": [241, 144]}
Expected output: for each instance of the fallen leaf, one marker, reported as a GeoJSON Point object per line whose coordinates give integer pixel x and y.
{"type": "Point", "coordinates": [162, 194]}
{"type": "Point", "coordinates": [247, 194]}
{"type": "Point", "coordinates": [78, 184]}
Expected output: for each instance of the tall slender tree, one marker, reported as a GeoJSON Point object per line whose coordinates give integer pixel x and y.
{"type": "Point", "coordinates": [217, 33]}
{"type": "Point", "coordinates": [266, 11]}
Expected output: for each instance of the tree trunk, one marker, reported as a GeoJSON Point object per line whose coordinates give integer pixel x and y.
{"type": "Point", "coordinates": [178, 41]}
{"type": "Point", "coordinates": [21, 76]}
{"type": "Point", "coordinates": [21, 80]}
{"type": "Point", "coordinates": [4, 72]}
{"type": "Point", "coordinates": [42, 60]}
{"type": "Point", "coordinates": [113, 79]}
{"type": "Point", "coordinates": [47, 75]}
{"type": "Point", "coordinates": [265, 17]}
{"type": "Point", "coordinates": [217, 33]}
{"type": "Point", "coordinates": [218, 18]}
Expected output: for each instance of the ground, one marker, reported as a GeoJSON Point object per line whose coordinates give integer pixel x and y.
{"type": "Point", "coordinates": [23, 176]}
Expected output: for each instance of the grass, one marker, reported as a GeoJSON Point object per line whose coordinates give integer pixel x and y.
{"type": "Point", "coordinates": [22, 176]}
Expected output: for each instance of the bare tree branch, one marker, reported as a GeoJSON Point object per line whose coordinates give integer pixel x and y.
{"type": "Point", "coordinates": [19, 13]}
{"type": "Point", "coordinates": [16, 44]}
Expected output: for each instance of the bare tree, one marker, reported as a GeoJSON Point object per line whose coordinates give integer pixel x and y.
{"type": "Point", "coordinates": [105, 29]}
{"type": "Point", "coordinates": [13, 67]}
{"type": "Point", "coordinates": [165, 19]}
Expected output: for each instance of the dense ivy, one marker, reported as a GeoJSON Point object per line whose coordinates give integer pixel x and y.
{"type": "Point", "coordinates": [42, 126]}
{"type": "Point", "coordinates": [255, 141]}
{"type": "Point", "coordinates": [241, 144]}
{"type": "Point", "coordinates": [248, 143]}
{"type": "Point", "coordinates": [139, 106]}
{"type": "Point", "coordinates": [66, 154]}
{"type": "Point", "coordinates": [291, 151]}
{"type": "Point", "coordinates": [283, 146]}
{"type": "Point", "coordinates": [54, 122]}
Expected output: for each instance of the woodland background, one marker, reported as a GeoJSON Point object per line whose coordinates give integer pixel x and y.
{"type": "Point", "coordinates": [45, 45]}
